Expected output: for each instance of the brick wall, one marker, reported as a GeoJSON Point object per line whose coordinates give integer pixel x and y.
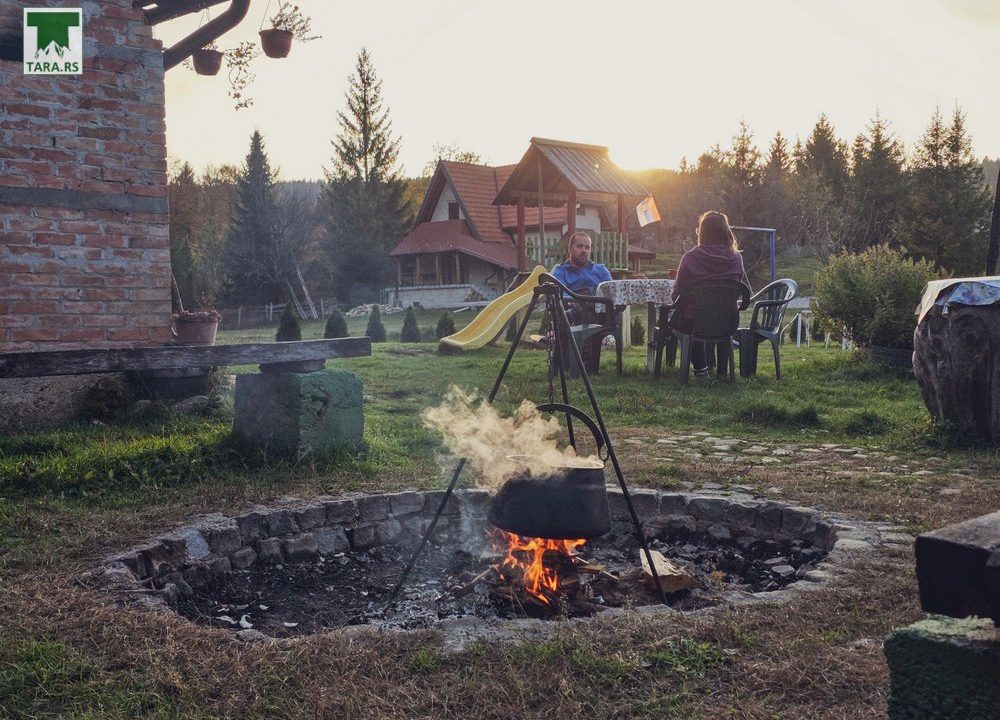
{"type": "Point", "coordinates": [84, 245]}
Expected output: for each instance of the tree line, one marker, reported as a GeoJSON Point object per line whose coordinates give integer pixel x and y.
{"type": "Point", "coordinates": [239, 236]}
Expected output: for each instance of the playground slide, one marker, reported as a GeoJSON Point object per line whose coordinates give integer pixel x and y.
{"type": "Point", "coordinates": [493, 318]}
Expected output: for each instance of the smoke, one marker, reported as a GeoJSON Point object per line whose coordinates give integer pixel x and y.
{"type": "Point", "coordinates": [473, 429]}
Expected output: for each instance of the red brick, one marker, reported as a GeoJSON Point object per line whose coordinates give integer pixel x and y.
{"type": "Point", "coordinates": [54, 239]}
{"type": "Point", "coordinates": [105, 294]}
{"type": "Point", "coordinates": [31, 224]}
{"type": "Point", "coordinates": [80, 226]}
{"type": "Point", "coordinates": [29, 167]}
{"type": "Point", "coordinates": [146, 190]}
{"type": "Point", "coordinates": [34, 250]}
{"type": "Point", "coordinates": [100, 186]}
{"type": "Point", "coordinates": [121, 174]}
{"type": "Point", "coordinates": [35, 279]}
{"type": "Point", "coordinates": [103, 320]}
{"type": "Point", "coordinates": [13, 321]}
{"type": "Point", "coordinates": [24, 109]}
{"type": "Point", "coordinates": [129, 334]}
{"type": "Point", "coordinates": [83, 307]}
{"type": "Point", "coordinates": [52, 155]}
{"type": "Point", "coordinates": [102, 241]}
{"type": "Point", "coordinates": [101, 133]}
{"type": "Point", "coordinates": [156, 294]}
{"type": "Point", "coordinates": [35, 307]}
{"type": "Point", "coordinates": [34, 334]}
{"type": "Point", "coordinates": [76, 279]}
{"type": "Point", "coordinates": [84, 335]}
{"type": "Point", "coordinates": [60, 320]}
{"type": "Point", "coordinates": [15, 293]}
{"type": "Point", "coordinates": [16, 266]}
{"type": "Point", "coordinates": [57, 293]}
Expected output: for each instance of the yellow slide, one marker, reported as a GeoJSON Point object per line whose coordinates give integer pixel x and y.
{"type": "Point", "coordinates": [492, 319]}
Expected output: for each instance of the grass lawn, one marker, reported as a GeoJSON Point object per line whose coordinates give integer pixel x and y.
{"type": "Point", "coordinates": [72, 496]}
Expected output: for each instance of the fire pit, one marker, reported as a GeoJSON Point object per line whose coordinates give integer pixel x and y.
{"type": "Point", "coordinates": [307, 567]}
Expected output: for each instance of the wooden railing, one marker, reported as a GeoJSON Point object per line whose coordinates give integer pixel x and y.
{"type": "Point", "coordinates": [609, 248]}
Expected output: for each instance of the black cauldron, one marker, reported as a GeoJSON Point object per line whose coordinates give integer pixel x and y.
{"type": "Point", "coordinates": [555, 502]}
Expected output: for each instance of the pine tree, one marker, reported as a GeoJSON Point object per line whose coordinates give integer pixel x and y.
{"type": "Point", "coordinates": [183, 195]}
{"type": "Point", "coordinates": [775, 194]}
{"type": "Point", "coordinates": [289, 327]}
{"type": "Point", "coordinates": [949, 210]}
{"type": "Point", "coordinates": [445, 325]}
{"type": "Point", "coordinates": [336, 325]}
{"type": "Point", "coordinates": [410, 331]}
{"type": "Point", "coordinates": [251, 243]}
{"type": "Point", "coordinates": [877, 187]}
{"type": "Point", "coordinates": [825, 156]}
{"type": "Point", "coordinates": [364, 195]}
{"type": "Point", "coordinates": [375, 329]}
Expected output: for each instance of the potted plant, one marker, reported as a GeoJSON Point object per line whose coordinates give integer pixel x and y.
{"type": "Point", "coordinates": [207, 60]}
{"type": "Point", "coordinates": [196, 327]}
{"type": "Point", "coordinates": [286, 24]}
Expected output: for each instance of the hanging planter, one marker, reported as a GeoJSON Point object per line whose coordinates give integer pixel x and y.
{"type": "Point", "coordinates": [276, 43]}
{"type": "Point", "coordinates": [207, 61]}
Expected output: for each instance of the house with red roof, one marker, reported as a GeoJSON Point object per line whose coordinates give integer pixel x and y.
{"type": "Point", "coordinates": [462, 247]}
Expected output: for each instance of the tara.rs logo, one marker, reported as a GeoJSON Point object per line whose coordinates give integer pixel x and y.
{"type": "Point", "coordinates": [53, 41]}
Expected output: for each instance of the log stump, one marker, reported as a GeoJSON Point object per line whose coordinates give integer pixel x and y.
{"type": "Point", "coordinates": [956, 361]}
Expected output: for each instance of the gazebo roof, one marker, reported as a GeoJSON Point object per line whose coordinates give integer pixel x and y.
{"type": "Point", "coordinates": [565, 166]}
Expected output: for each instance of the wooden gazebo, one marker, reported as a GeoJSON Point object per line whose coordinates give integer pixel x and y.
{"type": "Point", "coordinates": [550, 174]}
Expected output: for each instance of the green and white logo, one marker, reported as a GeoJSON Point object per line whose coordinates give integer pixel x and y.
{"type": "Point", "coordinates": [53, 41]}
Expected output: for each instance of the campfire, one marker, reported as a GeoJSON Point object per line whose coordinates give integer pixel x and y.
{"type": "Point", "coordinates": [535, 564]}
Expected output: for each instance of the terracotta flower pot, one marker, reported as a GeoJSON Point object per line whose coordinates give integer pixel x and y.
{"type": "Point", "coordinates": [276, 43]}
{"type": "Point", "coordinates": [206, 61]}
{"type": "Point", "coordinates": [195, 332]}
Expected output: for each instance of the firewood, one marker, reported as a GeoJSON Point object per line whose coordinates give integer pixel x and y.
{"type": "Point", "coordinates": [673, 578]}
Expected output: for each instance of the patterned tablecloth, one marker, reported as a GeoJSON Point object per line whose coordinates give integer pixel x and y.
{"type": "Point", "coordinates": [961, 291]}
{"type": "Point", "coordinates": [633, 292]}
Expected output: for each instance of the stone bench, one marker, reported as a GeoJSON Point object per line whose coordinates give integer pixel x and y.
{"type": "Point", "coordinates": [293, 406]}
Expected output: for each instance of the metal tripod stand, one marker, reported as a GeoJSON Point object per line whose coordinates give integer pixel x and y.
{"type": "Point", "coordinates": [552, 291]}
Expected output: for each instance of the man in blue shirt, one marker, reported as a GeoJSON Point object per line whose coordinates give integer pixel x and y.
{"type": "Point", "coordinates": [580, 274]}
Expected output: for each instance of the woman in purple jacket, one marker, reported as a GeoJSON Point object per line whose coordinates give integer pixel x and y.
{"type": "Point", "coordinates": [715, 257]}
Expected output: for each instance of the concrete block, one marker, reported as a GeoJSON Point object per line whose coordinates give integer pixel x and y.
{"type": "Point", "coordinates": [406, 503]}
{"type": "Point", "coordinates": [388, 531]}
{"type": "Point", "coordinates": [373, 508]}
{"type": "Point", "coordinates": [339, 512]}
{"type": "Point", "coordinates": [242, 559]}
{"type": "Point", "coordinates": [299, 414]}
{"type": "Point", "coordinates": [743, 513]}
{"type": "Point", "coordinates": [361, 536]}
{"type": "Point", "coordinates": [301, 548]}
{"type": "Point", "coordinates": [674, 503]}
{"type": "Point", "coordinates": [331, 541]}
{"type": "Point", "coordinates": [708, 508]}
{"type": "Point", "coordinates": [252, 527]}
{"type": "Point", "coordinates": [769, 518]}
{"type": "Point", "coordinates": [944, 668]}
{"type": "Point", "coordinates": [269, 550]}
{"type": "Point", "coordinates": [280, 522]}
{"type": "Point", "coordinates": [223, 539]}
{"type": "Point", "coordinates": [310, 517]}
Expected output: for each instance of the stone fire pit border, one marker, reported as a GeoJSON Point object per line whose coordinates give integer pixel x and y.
{"type": "Point", "coordinates": [294, 530]}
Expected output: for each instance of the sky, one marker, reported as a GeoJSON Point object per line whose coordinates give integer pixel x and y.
{"type": "Point", "coordinates": [655, 81]}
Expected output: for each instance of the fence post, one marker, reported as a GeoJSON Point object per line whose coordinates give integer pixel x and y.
{"type": "Point", "coordinates": [322, 312]}
{"type": "Point", "coordinates": [798, 330]}
{"type": "Point", "coordinates": [239, 316]}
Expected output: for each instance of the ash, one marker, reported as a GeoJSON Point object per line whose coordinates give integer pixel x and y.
{"type": "Point", "coordinates": [448, 582]}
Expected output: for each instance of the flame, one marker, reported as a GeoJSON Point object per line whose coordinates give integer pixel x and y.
{"type": "Point", "coordinates": [524, 563]}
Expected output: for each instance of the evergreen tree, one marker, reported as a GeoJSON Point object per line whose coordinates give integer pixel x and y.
{"type": "Point", "coordinates": [743, 165]}
{"type": "Point", "coordinates": [445, 325]}
{"type": "Point", "coordinates": [776, 203]}
{"type": "Point", "coordinates": [375, 329]}
{"type": "Point", "coordinates": [825, 156]}
{"type": "Point", "coordinates": [183, 196]}
{"type": "Point", "coordinates": [364, 195]}
{"type": "Point", "coordinates": [410, 331]}
{"type": "Point", "coordinates": [288, 325]}
{"type": "Point", "coordinates": [877, 187]}
{"type": "Point", "coordinates": [949, 214]}
{"type": "Point", "coordinates": [251, 242]}
{"type": "Point", "coordinates": [336, 325]}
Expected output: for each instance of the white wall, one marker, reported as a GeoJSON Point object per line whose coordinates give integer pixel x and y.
{"type": "Point", "coordinates": [441, 209]}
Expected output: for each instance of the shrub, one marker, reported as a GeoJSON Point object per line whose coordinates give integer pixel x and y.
{"type": "Point", "coordinates": [511, 329]}
{"type": "Point", "coordinates": [638, 331]}
{"type": "Point", "coordinates": [288, 325]}
{"type": "Point", "coordinates": [872, 294]}
{"type": "Point", "coordinates": [445, 325]}
{"type": "Point", "coordinates": [336, 325]}
{"type": "Point", "coordinates": [767, 413]}
{"type": "Point", "coordinates": [410, 331]}
{"type": "Point", "coordinates": [375, 329]}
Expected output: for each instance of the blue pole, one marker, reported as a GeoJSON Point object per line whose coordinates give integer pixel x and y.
{"type": "Point", "coordinates": [774, 271]}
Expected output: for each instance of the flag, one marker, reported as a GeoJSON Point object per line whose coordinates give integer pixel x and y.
{"type": "Point", "coordinates": [647, 212]}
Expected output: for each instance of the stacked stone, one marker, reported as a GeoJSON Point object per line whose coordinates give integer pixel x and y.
{"type": "Point", "coordinates": [84, 233]}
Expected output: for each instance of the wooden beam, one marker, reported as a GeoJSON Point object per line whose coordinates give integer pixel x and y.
{"type": "Point", "coordinates": [621, 213]}
{"type": "Point", "coordinates": [522, 252]}
{"type": "Point", "coordinates": [83, 362]}
{"type": "Point", "coordinates": [541, 214]}
{"type": "Point", "coordinates": [458, 268]}
{"type": "Point", "coordinates": [571, 213]}
{"type": "Point", "coordinates": [416, 270]}
{"type": "Point", "coordinates": [437, 268]}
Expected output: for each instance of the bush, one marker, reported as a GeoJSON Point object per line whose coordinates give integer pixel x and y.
{"type": "Point", "coordinates": [872, 294]}
{"type": "Point", "coordinates": [375, 329]}
{"type": "Point", "coordinates": [638, 331]}
{"type": "Point", "coordinates": [445, 325]}
{"type": "Point", "coordinates": [288, 325]}
{"type": "Point", "coordinates": [512, 327]}
{"type": "Point", "coordinates": [336, 325]}
{"type": "Point", "coordinates": [410, 331]}
{"type": "Point", "coordinates": [767, 413]}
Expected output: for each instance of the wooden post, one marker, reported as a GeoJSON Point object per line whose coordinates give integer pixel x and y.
{"type": "Point", "coordinates": [571, 213]}
{"type": "Point", "coordinates": [239, 316]}
{"type": "Point", "coordinates": [399, 272]}
{"type": "Point", "coordinates": [437, 268]}
{"type": "Point", "coordinates": [993, 247]}
{"type": "Point", "coordinates": [522, 252]}
{"type": "Point", "coordinates": [416, 269]}
{"type": "Point", "coordinates": [458, 268]}
{"type": "Point", "coordinates": [621, 230]}
{"type": "Point", "coordinates": [541, 213]}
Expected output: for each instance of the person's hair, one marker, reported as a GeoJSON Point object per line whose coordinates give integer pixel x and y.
{"type": "Point", "coordinates": [713, 229]}
{"type": "Point", "coordinates": [569, 238]}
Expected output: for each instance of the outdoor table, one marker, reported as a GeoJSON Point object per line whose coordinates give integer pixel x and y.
{"type": "Point", "coordinates": [654, 293]}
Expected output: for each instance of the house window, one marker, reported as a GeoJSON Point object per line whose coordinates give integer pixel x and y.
{"type": "Point", "coordinates": [453, 211]}
{"type": "Point", "coordinates": [580, 210]}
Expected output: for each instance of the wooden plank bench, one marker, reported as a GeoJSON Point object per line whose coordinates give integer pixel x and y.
{"type": "Point", "coordinates": [295, 356]}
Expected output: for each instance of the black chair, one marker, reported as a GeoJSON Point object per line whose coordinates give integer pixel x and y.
{"type": "Point", "coordinates": [714, 306]}
{"type": "Point", "coordinates": [590, 330]}
{"type": "Point", "coordinates": [765, 324]}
